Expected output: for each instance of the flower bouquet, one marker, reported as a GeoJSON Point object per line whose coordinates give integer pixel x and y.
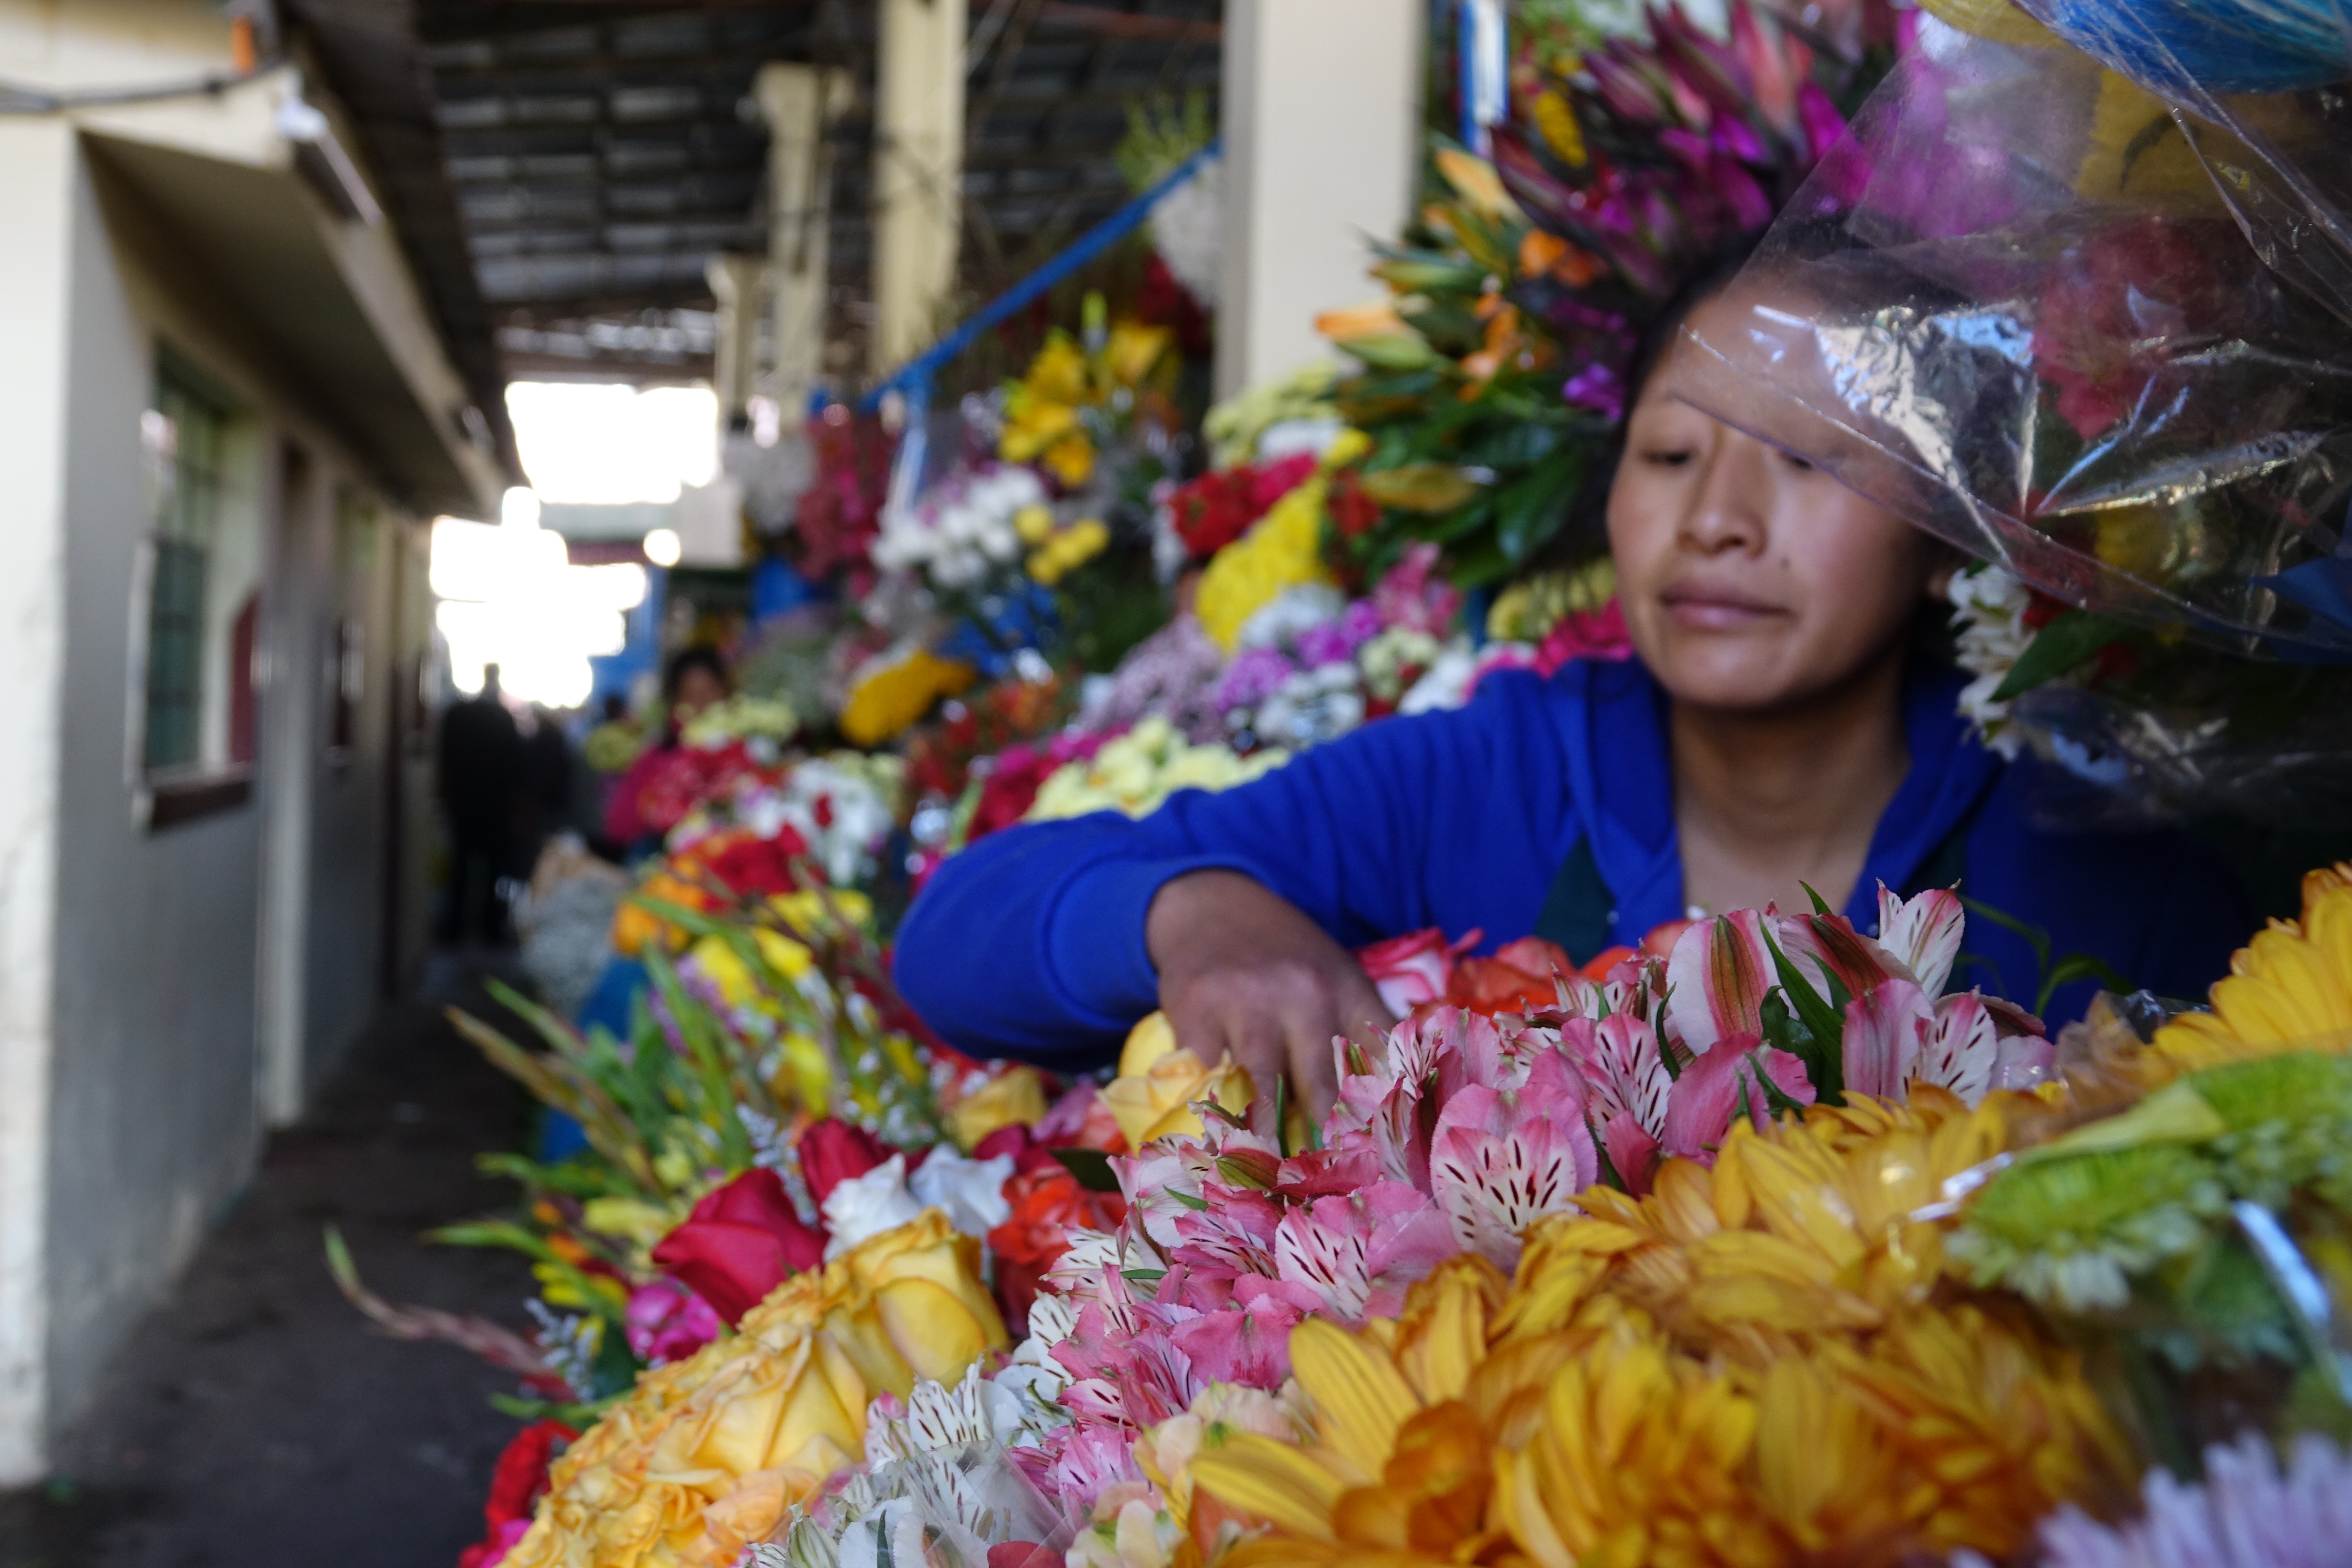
{"type": "Point", "coordinates": [2020, 308]}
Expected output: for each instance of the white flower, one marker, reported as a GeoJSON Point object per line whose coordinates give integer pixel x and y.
{"type": "Point", "coordinates": [970, 1192]}
{"type": "Point", "coordinates": [1988, 604]}
{"type": "Point", "coordinates": [867, 1206]}
{"type": "Point", "coordinates": [1295, 609]}
{"type": "Point", "coordinates": [1447, 684]}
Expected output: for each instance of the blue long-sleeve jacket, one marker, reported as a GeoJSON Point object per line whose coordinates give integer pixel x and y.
{"type": "Point", "coordinates": [1031, 944]}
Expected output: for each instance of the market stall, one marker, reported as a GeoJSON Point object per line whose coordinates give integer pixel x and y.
{"type": "Point", "coordinates": [1772, 1237]}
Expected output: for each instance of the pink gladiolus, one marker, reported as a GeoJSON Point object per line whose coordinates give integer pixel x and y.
{"type": "Point", "coordinates": [1358, 1253]}
{"type": "Point", "coordinates": [1502, 1159]}
{"type": "Point", "coordinates": [1923, 931]}
{"type": "Point", "coordinates": [665, 1322]}
{"type": "Point", "coordinates": [1885, 1032]}
{"type": "Point", "coordinates": [1962, 1052]}
{"type": "Point", "coordinates": [1247, 1342]}
{"type": "Point", "coordinates": [1718, 976]}
{"type": "Point", "coordinates": [1713, 1090]}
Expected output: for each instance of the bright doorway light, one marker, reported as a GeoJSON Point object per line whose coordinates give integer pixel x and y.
{"type": "Point", "coordinates": [596, 443]}
{"type": "Point", "coordinates": [510, 596]}
{"type": "Point", "coordinates": [663, 547]}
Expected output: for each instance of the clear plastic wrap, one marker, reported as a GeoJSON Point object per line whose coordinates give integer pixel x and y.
{"type": "Point", "coordinates": [2031, 307]}
{"type": "Point", "coordinates": [2014, 310]}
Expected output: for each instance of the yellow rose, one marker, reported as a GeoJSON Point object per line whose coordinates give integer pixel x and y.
{"type": "Point", "coordinates": [1157, 1086]}
{"type": "Point", "coordinates": [812, 914]}
{"type": "Point", "coordinates": [908, 1304]}
{"type": "Point", "coordinates": [708, 1455]}
{"type": "Point", "coordinates": [725, 968]}
{"type": "Point", "coordinates": [781, 953]}
{"type": "Point", "coordinates": [1015, 1098]}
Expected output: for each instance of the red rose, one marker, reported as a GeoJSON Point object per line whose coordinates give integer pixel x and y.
{"type": "Point", "coordinates": [754, 868]}
{"type": "Point", "coordinates": [832, 1151]}
{"type": "Point", "coordinates": [1017, 1140]}
{"type": "Point", "coordinates": [740, 1242]}
{"type": "Point", "coordinates": [516, 1487]}
{"type": "Point", "coordinates": [1410, 970]}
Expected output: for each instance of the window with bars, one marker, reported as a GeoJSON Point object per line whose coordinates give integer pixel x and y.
{"type": "Point", "coordinates": [203, 609]}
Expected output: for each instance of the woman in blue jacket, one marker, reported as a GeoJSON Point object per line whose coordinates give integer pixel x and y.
{"type": "Point", "coordinates": [1774, 733]}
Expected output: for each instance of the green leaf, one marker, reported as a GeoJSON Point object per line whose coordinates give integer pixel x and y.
{"type": "Point", "coordinates": [2034, 936]}
{"type": "Point", "coordinates": [2079, 966]}
{"type": "Point", "coordinates": [2058, 647]}
{"type": "Point", "coordinates": [1825, 1064]}
{"type": "Point", "coordinates": [1820, 905]}
{"type": "Point", "coordinates": [1092, 1167]}
{"type": "Point", "coordinates": [1433, 488]}
{"type": "Point", "coordinates": [1532, 509]}
{"type": "Point", "coordinates": [579, 1417]}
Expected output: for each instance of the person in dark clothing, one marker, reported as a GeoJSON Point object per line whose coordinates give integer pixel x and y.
{"type": "Point", "coordinates": [543, 791]}
{"type": "Point", "coordinates": [481, 766]}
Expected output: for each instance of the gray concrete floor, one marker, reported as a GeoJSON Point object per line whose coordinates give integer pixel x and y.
{"type": "Point", "coordinates": [254, 1419]}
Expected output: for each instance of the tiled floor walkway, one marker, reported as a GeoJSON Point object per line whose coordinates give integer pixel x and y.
{"type": "Point", "coordinates": [255, 1421]}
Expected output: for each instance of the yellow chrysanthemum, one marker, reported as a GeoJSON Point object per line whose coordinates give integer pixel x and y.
{"type": "Point", "coordinates": [894, 690]}
{"type": "Point", "coordinates": [1282, 550]}
{"type": "Point", "coordinates": [2290, 989]}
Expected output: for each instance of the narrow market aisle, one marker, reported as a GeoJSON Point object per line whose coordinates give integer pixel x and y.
{"type": "Point", "coordinates": [254, 1420]}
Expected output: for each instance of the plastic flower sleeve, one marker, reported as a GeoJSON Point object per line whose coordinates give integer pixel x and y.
{"type": "Point", "coordinates": [2012, 309]}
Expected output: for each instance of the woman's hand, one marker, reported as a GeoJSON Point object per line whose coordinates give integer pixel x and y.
{"type": "Point", "coordinates": [1241, 970]}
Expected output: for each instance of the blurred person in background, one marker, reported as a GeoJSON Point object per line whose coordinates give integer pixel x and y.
{"type": "Point", "coordinates": [480, 764]}
{"type": "Point", "coordinates": [695, 678]}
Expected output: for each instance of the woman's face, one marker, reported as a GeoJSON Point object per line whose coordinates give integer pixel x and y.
{"type": "Point", "coordinates": [698, 688]}
{"type": "Point", "coordinates": [1749, 579]}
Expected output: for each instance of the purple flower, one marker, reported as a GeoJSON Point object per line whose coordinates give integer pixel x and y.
{"type": "Point", "coordinates": [1254, 676]}
{"type": "Point", "coordinates": [1598, 388]}
{"type": "Point", "coordinates": [2244, 1514]}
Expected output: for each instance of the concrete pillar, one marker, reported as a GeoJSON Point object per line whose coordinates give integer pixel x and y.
{"type": "Point", "coordinates": [800, 103]}
{"type": "Point", "coordinates": [1322, 148]}
{"type": "Point", "coordinates": [917, 173]}
{"type": "Point", "coordinates": [736, 279]}
{"type": "Point", "coordinates": [39, 174]}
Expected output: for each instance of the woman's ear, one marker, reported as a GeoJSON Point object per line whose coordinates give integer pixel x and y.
{"type": "Point", "coordinates": [1944, 563]}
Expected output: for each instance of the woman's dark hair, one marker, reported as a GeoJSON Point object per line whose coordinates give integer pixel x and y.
{"type": "Point", "coordinates": [1931, 636]}
{"type": "Point", "coordinates": [702, 656]}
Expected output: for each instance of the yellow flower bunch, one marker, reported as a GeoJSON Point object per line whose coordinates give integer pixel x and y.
{"type": "Point", "coordinates": [1157, 1086]}
{"type": "Point", "coordinates": [1054, 552]}
{"type": "Point", "coordinates": [1753, 1366]}
{"type": "Point", "coordinates": [898, 688]}
{"type": "Point", "coordinates": [2290, 989]}
{"type": "Point", "coordinates": [1042, 423]}
{"type": "Point", "coordinates": [1530, 607]}
{"type": "Point", "coordinates": [709, 1454]}
{"type": "Point", "coordinates": [1282, 550]}
{"type": "Point", "coordinates": [1136, 772]}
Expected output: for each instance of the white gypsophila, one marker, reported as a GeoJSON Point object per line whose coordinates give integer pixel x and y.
{"type": "Point", "coordinates": [1312, 706]}
{"type": "Point", "coordinates": [1988, 607]}
{"type": "Point", "coordinates": [970, 1192]}
{"type": "Point", "coordinates": [1188, 231]}
{"type": "Point", "coordinates": [1447, 682]}
{"type": "Point", "coordinates": [1396, 650]}
{"type": "Point", "coordinates": [1299, 608]}
{"type": "Point", "coordinates": [865, 1206]}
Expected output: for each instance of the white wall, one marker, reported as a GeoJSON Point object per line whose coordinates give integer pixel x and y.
{"type": "Point", "coordinates": [37, 184]}
{"type": "Point", "coordinates": [152, 1121]}
{"type": "Point", "coordinates": [133, 1089]}
{"type": "Point", "coordinates": [1321, 111]}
